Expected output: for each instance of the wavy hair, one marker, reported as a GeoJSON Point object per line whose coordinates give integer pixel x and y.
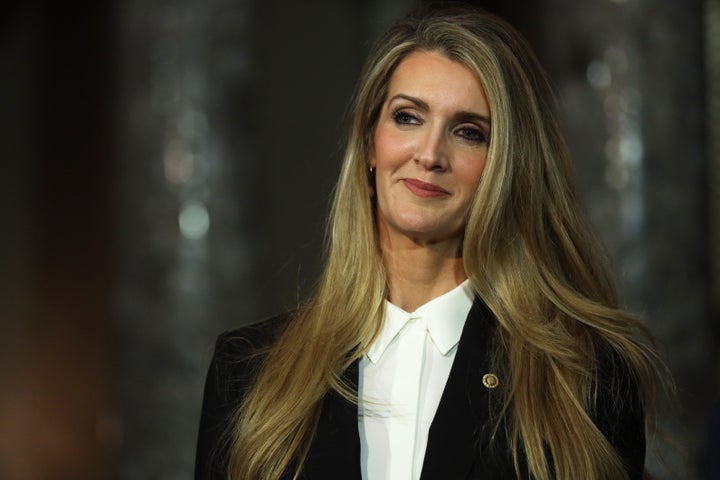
{"type": "Point", "coordinates": [528, 252]}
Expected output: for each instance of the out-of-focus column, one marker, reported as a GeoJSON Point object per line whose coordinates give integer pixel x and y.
{"type": "Point", "coordinates": [57, 420]}
{"type": "Point", "coordinates": [183, 189]}
{"type": "Point", "coordinates": [712, 69]}
{"type": "Point", "coordinates": [629, 78]}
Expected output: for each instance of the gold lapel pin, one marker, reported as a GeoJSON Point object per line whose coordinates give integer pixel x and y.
{"type": "Point", "coordinates": [490, 380]}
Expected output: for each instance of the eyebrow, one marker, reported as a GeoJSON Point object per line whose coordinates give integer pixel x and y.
{"type": "Point", "coordinates": [464, 115]}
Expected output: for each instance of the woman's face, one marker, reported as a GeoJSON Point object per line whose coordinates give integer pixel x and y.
{"type": "Point", "coordinates": [429, 151]}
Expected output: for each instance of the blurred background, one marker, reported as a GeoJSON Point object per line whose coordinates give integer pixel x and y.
{"type": "Point", "coordinates": [166, 170]}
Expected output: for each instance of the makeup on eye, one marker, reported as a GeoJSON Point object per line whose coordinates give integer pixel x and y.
{"type": "Point", "coordinates": [470, 133]}
{"type": "Point", "coordinates": [404, 117]}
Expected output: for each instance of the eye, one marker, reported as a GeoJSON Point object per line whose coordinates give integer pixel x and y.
{"type": "Point", "coordinates": [403, 117]}
{"type": "Point", "coordinates": [472, 134]}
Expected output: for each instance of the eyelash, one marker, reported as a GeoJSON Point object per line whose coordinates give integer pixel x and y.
{"type": "Point", "coordinates": [475, 134]}
{"type": "Point", "coordinates": [400, 115]}
{"type": "Point", "coordinates": [467, 133]}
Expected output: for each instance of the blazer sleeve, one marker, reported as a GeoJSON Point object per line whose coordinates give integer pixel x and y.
{"type": "Point", "coordinates": [620, 414]}
{"type": "Point", "coordinates": [236, 359]}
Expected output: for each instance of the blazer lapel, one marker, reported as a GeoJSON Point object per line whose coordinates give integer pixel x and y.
{"type": "Point", "coordinates": [335, 451]}
{"type": "Point", "coordinates": [457, 432]}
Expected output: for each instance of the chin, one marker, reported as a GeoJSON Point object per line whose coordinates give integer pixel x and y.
{"type": "Point", "coordinates": [431, 234]}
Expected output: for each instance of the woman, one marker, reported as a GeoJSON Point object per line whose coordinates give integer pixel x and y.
{"type": "Point", "coordinates": [465, 325]}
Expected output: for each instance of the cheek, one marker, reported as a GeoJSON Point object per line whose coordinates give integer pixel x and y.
{"type": "Point", "coordinates": [390, 148]}
{"type": "Point", "coordinates": [472, 171]}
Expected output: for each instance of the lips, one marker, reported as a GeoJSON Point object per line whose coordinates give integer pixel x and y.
{"type": "Point", "coordinates": [423, 189]}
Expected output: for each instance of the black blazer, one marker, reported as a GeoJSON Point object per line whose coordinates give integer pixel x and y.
{"type": "Point", "coordinates": [459, 441]}
{"type": "Point", "coordinates": [714, 451]}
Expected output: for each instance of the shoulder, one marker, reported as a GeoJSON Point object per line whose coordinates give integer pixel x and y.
{"type": "Point", "coordinates": [238, 356]}
{"type": "Point", "coordinates": [251, 339]}
{"type": "Point", "coordinates": [239, 352]}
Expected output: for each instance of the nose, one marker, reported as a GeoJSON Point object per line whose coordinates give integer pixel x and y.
{"type": "Point", "coordinates": [432, 152]}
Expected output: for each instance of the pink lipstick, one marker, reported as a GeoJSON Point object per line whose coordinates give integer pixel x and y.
{"type": "Point", "coordinates": [425, 190]}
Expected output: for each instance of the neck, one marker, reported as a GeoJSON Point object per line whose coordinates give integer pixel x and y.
{"type": "Point", "coordinates": [418, 272]}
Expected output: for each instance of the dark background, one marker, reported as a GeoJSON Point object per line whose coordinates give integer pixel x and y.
{"type": "Point", "coordinates": [166, 169]}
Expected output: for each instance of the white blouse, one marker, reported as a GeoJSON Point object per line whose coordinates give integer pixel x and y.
{"type": "Point", "coordinates": [401, 380]}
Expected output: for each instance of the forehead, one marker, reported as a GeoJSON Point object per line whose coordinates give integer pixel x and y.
{"type": "Point", "coordinates": [432, 76]}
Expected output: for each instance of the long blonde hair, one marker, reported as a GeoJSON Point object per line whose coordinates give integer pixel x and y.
{"type": "Point", "coordinates": [526, 248]}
